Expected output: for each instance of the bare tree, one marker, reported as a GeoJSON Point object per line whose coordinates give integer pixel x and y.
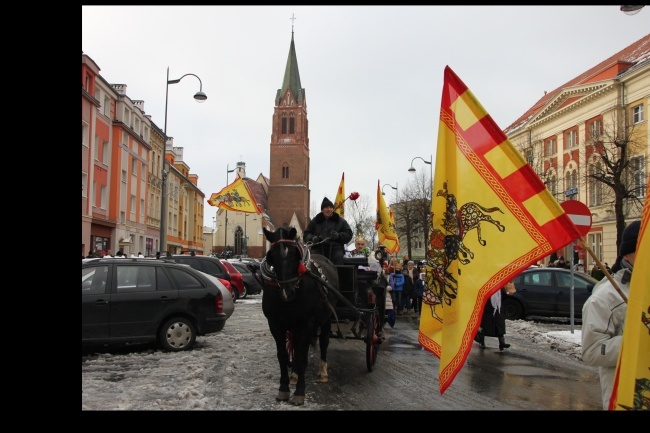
{"type": "Point", "coordinates": [361, 215]}
{"type": "Point", "coordinates": [614, 175]}
{"type": "Point", "coordinates": [413, 212]}
{"type": "Point", "coordinates": [618, 163]}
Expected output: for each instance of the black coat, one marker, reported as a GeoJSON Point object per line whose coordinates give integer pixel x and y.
{"type": "Point", "coordinates": [494, 324]}
{"type": "Point", "coordinates": [322, 227]}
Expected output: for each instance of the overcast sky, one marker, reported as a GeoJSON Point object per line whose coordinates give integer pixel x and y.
{"type": "Point", "coordinates": [372, 76]}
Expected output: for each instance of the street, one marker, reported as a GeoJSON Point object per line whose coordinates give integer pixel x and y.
{"type": "Point", "coordinates": [237, 369]}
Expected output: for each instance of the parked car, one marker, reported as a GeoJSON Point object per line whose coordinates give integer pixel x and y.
{"type": "Point", "coordinates": [247, 268]}
{"type": "Point", "coordinates": [547, 292]}
{"type": "Point", "coordinates": [236, 279]}
{"type": "Point", "coordinates": [143, 300]}
{"type": "Point", "coordinates": [209, 265]}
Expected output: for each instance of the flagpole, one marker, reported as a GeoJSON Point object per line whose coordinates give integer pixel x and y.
{"type": "Point", "coordinates": [225, 230]}
{"type": "Point", "coordinates": [602, 267]}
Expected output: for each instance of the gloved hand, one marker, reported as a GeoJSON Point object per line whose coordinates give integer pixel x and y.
{"type": "Point", "coordinates": [315, 240]}
{"type": "Point", "coordinates": [334, 235]}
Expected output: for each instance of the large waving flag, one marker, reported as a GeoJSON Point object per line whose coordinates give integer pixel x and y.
{"type": "Point", "coordinates": [385, 225]}
{"type": "Point", "coordinates": [491, 218]}
{"type": "Point", "coordinates": [236, 197]}
{"type": "Point", "coordinates": [632, 382]}
{"type": "Point", "coordinates": [339, 201]}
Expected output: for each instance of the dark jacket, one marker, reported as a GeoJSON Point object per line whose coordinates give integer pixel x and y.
{"type": "Point", "coordinates": [320, 228]}
{"type": "Point", "coordinates": [493, 322]}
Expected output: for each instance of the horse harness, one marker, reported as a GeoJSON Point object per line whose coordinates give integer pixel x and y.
{"type": "Point", "coordinates": [270, 278]}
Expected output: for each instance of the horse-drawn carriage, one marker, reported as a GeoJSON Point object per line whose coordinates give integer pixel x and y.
{"type": "Point", "coordinates": [306, 297]}
{"type": "Point", "coordinates": [361, 307]}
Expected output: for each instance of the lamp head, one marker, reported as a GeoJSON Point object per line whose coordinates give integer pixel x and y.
{"type": "Point", "coordinates": [412, 170]}
{"type": "Point", "coordinates": [631, 10]}
{"type": "Point", "coordinates": [200, 97]}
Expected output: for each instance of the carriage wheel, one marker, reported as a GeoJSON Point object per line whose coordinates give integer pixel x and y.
{"type": "Point", "coordinates": [371, 340]}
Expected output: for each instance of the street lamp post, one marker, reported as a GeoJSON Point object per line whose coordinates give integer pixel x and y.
{"type": "Point", "coordinates": [245, 249]}
{"type": "Point", "coordinates": [200, 97]}
{"type": "Point", "coordinates": [425, 227]}
{"type": "Point", "coordinates": [412, 169]}
{"type": "Point", "coordinates": [225, 230]}
{"type": "Point", "coordinates": [388, 184]}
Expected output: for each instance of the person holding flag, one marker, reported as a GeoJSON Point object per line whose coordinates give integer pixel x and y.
{"type": "Point", "coordinates": [329, 233]}
{"type": "Point", "coordinates": [603, 315]}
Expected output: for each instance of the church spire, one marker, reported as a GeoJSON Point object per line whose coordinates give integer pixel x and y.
{"type": "Point", "coordinates": [291, 75]}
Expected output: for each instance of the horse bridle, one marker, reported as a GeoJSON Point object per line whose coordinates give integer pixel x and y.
{"type": "Point", "coordinates": [269, 275]}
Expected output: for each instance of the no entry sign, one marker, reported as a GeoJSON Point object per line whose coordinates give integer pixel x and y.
{"type": "Point", "coordinates": [579, 214]}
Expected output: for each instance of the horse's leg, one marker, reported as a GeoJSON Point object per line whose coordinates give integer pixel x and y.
{"type": "Point", "coordinates": [301, 352]}
{"type": "Point", "coordinates": [324, 341]}
{"type": "Point", "coordinates": [283, 358]}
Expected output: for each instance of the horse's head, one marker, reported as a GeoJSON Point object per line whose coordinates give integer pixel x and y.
{"type": "Point", "coordinates": [285, 255]}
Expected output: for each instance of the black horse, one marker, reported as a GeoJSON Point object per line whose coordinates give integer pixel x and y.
{"type": "Point", "coordinates": [297, 302]}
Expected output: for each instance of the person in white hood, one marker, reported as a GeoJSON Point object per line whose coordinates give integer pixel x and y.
{"type": "Point", "coordinates": [603, 316]}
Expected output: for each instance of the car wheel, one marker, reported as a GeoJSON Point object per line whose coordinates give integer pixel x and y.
{"type": "Point", "coordinates": [513, 309]}
{"type": "Point", "coordinates": [245, 292]}
{"type": "Point", "coordinates": [177, 334]}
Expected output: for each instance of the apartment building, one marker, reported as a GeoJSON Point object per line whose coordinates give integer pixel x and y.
{"type": "Point", "coordinates": [122, 157]}
{"type": "Point", "coordinates": [585, 129]}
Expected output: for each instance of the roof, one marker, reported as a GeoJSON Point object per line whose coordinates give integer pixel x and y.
{"type": "Point", "coordinates": [610, 68]}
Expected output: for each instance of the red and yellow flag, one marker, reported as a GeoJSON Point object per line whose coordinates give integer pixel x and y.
{"type": "Point", "coordinates": [236, 197]}
{"type": "Point", "coordinates": [632, 382]}
{"type": "Point", "coordinates": [491, 218]}
{"type": "Point", "coordinates": [385, 225]}
{"type": "Point", "coordinates": [339, 201]}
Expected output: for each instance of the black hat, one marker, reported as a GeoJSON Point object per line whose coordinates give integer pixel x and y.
{"type": "Point", "coordinates": [630, 236]}
{"type": "Point", "coordinates": [326, 202]}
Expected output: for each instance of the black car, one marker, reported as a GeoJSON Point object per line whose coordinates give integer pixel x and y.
{"type": "Point", "coordinates": [547, 292]}
{"type": "Point", "coordinates": [138, 300]}
{"type": "Point", "coordinates": [209, 265]}
{"type": "Point", "coordinates": [247, 268]}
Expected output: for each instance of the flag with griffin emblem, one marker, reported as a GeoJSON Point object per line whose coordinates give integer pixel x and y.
{"type": "Point", "coordinates": [632, 381]}
{"type": "Point", "coordinates": [339, 201]}
{"type": "Point", "coordinates": [385, 225]}
{"type": "Point", "coordinates": [235, 197]}
{"type": "Point", "coordinates": [491, 218]}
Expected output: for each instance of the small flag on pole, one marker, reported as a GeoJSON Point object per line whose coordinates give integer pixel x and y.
{"type": "Point", "coordinates": [235, 197]}
{"type": "Point", "coordinates": [339, 201]}
{"type": "Point", "coordinates": [385, 225]}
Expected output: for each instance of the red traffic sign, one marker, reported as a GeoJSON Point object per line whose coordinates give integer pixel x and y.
{"type": "Point", "coordinates": [579, 214]}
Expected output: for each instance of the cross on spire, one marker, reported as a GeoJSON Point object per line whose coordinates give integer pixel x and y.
{"type": "Point", "coordinates": [293, 18]}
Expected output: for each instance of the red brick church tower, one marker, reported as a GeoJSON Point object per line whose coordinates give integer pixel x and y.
{"type": "Point", "coordinates": [288, 194]}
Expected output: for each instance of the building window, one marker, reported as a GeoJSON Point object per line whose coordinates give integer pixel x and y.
{"type": "Point", "coordinates": [106, 108]}
{"type": "Point", "coordinates": [595, 187]}
{"type": "Point", "coordinates": [637, 114]}
{"type": "Point", "coordinates": [123, 176]}
{"type": "Point", "coordinates": [96, 148]}
{"type": "Point", "coordinates": [292, 124]}
{"type": "Point", "coordinates": [595, 241]}
{"type": "Point", "coordinates": [550, 147]}
{"type": "Point", "coordinates": [105, 151]}
{"type": "Point", "coordinates": [529, 156]}
{"type": "Point", "coordinates": [84, 185]}
{"type": "Point", "coordinates": [134, 166]}
{"type": "Point", "coordinates": [595, 129]}
{"type": "Point", "coordinates": [285, 172]}
{"type": "Point", "coordinates": [284, 124]}
{"type": "Point", "coordinates": [637, 169]}
{"type": "Point", "coordinates": [103, 197]}
{"type": "Point", "coordinates": [571, 138]}
{"type": "Point", "coordinates": [84, 133]}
